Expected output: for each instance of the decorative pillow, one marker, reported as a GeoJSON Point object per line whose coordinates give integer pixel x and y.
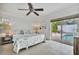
{"type": "Point", "coordinates": [22, 32]}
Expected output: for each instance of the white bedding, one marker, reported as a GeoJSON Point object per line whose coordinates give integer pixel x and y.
{"type": "Point", "coordinates": [24, 41]}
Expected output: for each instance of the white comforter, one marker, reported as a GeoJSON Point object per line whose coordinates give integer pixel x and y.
{"type": "Point", "coordinates": [24, 41]}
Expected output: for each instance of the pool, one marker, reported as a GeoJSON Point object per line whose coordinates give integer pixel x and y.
{"type": "Point", "coordinates": [68, 37]}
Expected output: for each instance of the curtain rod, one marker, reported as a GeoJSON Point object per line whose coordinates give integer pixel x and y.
{"type": "Point", "coordinates": [66, 18]}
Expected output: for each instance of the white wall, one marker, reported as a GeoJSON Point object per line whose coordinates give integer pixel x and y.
{"type": "Point", "coordinates": [22, 23]}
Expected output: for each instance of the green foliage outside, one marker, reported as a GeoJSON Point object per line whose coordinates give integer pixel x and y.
{"type": "Point", "coordinates": [55, 26]}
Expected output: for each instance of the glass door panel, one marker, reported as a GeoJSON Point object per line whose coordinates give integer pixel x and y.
{"type": "Point", "coordinates": [64, 31]}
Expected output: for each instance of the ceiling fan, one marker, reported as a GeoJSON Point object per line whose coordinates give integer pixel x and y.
{"type": "Point", "coordinates": [31, 9]}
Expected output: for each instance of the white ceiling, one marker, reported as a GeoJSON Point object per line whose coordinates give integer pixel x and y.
{"type": "Point", "coordinates": [10, 9]}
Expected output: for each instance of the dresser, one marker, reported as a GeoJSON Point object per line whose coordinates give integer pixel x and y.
{"type": "Point", "coordinates": [0, 40]}
{"type": "Point", "coordinates": [76, 45]}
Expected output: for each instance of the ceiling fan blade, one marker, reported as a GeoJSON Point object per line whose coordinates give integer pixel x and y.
{"type": "Point", "coordinates": [36, 13]}
{"type": "Point", "coordinates": [23, 9]}
{"type": "Point", "coordinates": [40, 9]}
{"type": "Point", "coordinates": [30, 5]}
{"type": "Point", "coordinates": [28, 13]}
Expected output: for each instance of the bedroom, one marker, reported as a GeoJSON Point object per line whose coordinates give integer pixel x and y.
{"type": "Point", "coordinates": [35, 26]}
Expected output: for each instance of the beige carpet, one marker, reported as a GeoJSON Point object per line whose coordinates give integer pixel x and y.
{"type": "Point", "coordinates": [47, 48]}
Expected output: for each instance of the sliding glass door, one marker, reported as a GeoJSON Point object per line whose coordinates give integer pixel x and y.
{"type": "Point", "coordinates": [64, 31]}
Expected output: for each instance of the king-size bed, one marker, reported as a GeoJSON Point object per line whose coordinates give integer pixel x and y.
{"type": "Point", "coordinates": [26, 40]}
